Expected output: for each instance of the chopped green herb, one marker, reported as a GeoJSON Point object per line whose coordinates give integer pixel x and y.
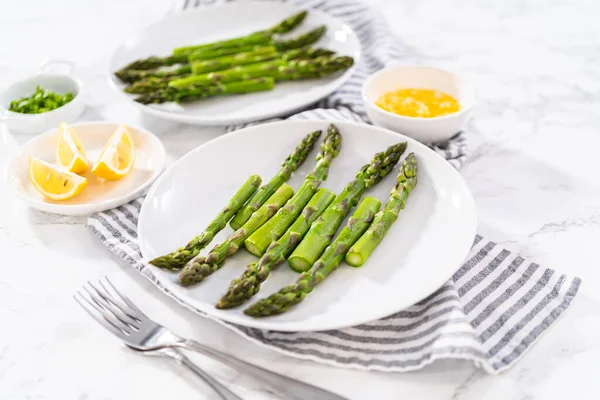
{"type": "Point", "coordinates": [41, 101]}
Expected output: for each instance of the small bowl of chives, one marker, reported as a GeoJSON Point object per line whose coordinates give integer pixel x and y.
{"type": "Point", "coordinates": [43, 101]}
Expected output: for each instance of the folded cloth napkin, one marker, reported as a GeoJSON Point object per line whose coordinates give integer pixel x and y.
{"type": "Point", "coordinates": [492, 310]}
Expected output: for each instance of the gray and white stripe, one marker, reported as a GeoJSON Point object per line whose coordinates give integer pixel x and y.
{"type": "Point", "coordinates": [494, 308]}
{"type": "Point", "coordinates": [380, 48]}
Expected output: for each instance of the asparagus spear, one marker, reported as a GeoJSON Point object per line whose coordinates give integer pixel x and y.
{"type": "Point", "coordinates": [321, 232]}
{"type": "Point", "coordinates": [194, 93]}
{"type": "Point", "coordinates": [250, 50]}
{"type": "Point", "coordinates": [407, 180]}
{"type": "Point", "coordinates": [147, 81]}
{"type": "Point", "coordinates": [291, 295]}
{"type": "Point", "coordinates": [258, 242]}
{"type": "Point", "coordinates": [218, 64]}
{"type": "Point", "coordinates": [291, 163]}
{"type": "Point", "coordinates": [248, 284]}
{"type": "Point", "coordinates": [289, 23]}
{"type": "Point", "coordinates": [202, 267]}
{"type": "Point", "coordinates": [278, 69]}
{"type": "Point", "coordinates": [136, 69]}
{"type": "Point", "coordinates": [260, 37]}
{"type": "Point", "coordinates": [253, 39]}
{"type": "Point", "coordinates": [146, 68]}
{"type": "Point", "coordinates": [178, 258]}
{"type": "Point", "coordinates": [242, 289]}
{"type": "Point", "coordinates": [134, 75]}
{"type": "Point", "coordinates": [306, 39]}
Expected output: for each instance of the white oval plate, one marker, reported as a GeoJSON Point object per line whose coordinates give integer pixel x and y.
{"type": "Point", "coordinates": [419, 254]}
{"type": "Point", "coordinates": [99, 195]}
{"type": "Point", "coordinates": [227, 21]}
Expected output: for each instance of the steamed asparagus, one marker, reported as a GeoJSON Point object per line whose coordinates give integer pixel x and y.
{"type": "Point", "coordinates": [291, 295]}
{"type": "Point", "coordinates": [218, 64]}
{"type": "Point", "coordinates": [202, 267]}
{"type": "Point", "coordinates": [231, 46]}
{"type": "Point", "coordinates": [284, 26]}
{"type": "Point", "coordinates": [195, 93]}
{"type": "Point", "coordinates": [321, 232]}
{"type": "Point", "coordinates": [406, 182]}
{"type": "Point", "coordinates": [258, 242]}
{"type": "Point", "coordinates": [285, 68]}
{"type": "Point", "coordinates": [290, 164]}
{"type": "Point", "coordinates": [242, 289]}
{"type": "Point", "coordinates": [177, 259]}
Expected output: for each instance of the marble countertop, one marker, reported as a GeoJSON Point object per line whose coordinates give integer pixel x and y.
{"type": "Point", "coordinates": [533, 170]}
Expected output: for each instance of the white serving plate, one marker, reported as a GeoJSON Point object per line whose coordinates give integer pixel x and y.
{"type": "Point", "coordinates": [419, 254]}
{"type": "Point", "coordinates": [227, 21]}
{"type": "Point", "coordinates": [99, 195]}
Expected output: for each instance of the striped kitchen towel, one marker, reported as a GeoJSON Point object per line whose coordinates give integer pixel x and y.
{"type": "Point", "coordinates": [492, 310]}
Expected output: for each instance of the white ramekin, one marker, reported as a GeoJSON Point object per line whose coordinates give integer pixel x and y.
{"type": "Point", "coordinates": [425, 130]}
{"type": "Point", "coordinates": [38, 123]}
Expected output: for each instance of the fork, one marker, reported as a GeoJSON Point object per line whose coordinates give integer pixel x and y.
{"type": "Point", "coordinates": [118, 314]}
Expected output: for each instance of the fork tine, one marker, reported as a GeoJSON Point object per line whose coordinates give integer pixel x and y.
{"type": "Point", "coordinates": [109, 325]}
{"type": "Point", "coordinates": [126, 299]}
{"type": "Point", "coordinates": [119, 302]}
{"type": "Point", "coordinates": [112, 306]}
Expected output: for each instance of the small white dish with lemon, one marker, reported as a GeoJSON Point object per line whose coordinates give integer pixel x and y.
{"type": "Point", "coordinates": [85, 168]}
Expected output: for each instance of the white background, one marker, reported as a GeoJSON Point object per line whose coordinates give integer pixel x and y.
{"type": "Point", "coordinates": [533, 170]}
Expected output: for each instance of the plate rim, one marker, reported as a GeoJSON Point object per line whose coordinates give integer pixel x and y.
{"type": "Point", "coordinates": [84, 209]}
{"type": "Point", "coordinates": [300, 326]}
{"type": "Point", "coordinates": [224, 120]}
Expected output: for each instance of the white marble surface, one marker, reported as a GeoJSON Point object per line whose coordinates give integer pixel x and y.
{"type": "Point", "coordinates": [533, 171]}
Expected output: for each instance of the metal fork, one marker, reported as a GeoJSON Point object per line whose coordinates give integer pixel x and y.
{"type": "Point", "coordinates": [117, 313]}
{"type": "Point", "coordinates": [131, 327]}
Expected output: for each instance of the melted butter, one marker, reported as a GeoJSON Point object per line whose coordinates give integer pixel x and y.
{"type": "Point", "coordinates": [418, 103]}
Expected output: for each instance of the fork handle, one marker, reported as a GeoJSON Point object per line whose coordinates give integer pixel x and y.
{"type": "Point", "coordinates": [222, 390]}
{"type": "Point", "coordinates": [289, 388]}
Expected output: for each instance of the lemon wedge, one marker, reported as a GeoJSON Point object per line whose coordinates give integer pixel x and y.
{"type": "Point", "coordinates": [117, 157]}
{"type": "Point", "coordinates": [53, 181]}
{"type": "Point", "coordinates": [69, 151]}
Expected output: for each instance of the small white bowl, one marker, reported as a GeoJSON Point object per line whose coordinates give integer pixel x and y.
{"type": "Point", "coordinates": [425, 130]}
{"type": "Point", "coordinates": [98, 195]}
{"type": "Point", "coordinates": [60, 83]}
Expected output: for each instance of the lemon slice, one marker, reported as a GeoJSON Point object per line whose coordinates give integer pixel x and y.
{"type": "Point", "coordinates": [118, 156]}
{"type": "Point", "coordinates": [54, 182]}
{"type": "Point", "coordinates": [69, 151]}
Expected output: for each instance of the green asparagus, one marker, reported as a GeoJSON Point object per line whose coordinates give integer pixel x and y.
{"type": "Point", "coordinates": [289, 23]}
{"type": "Point", "coordinates": [306, 39]}
{"type": "Point", "coordinates": [294, 160]}
{"type": "Point", "coordinates": [407, 180]}
{"type": "Point", "coordinates": [218, 64]}
{"type": "Point", "coordinates": [253, 39]}
{"type": "Point", "coordinates": [321, 232]}
{"type": "Point", "coordinates": [133, 76]}
{"type": "Point", "coordinates": [277, 69]}
{"type": "Point", "coordinates": [258, 242]}
{"type": "Point", "coordinates": [132, 70]}
{"type": "Point", "coordinates": [148, 67]}
{"type": "Point", "coordinates": [242, 289]}
{"type": "Point", "coordinates": [202, 267]}
{"type": "Point", "coordinates": [260, 37]}
{"type": "Point", "coordinates": [176, 260]}
{"type": "Point", "coordinates": [148, 81]}
{"type": "Point", "coordinates": [291, 295]}
{"type": "Point", "coordinates": [194, 93]}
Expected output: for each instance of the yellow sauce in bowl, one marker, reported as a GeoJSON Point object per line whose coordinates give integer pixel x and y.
{"type": "Point", "coordinates": [418, 103]}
